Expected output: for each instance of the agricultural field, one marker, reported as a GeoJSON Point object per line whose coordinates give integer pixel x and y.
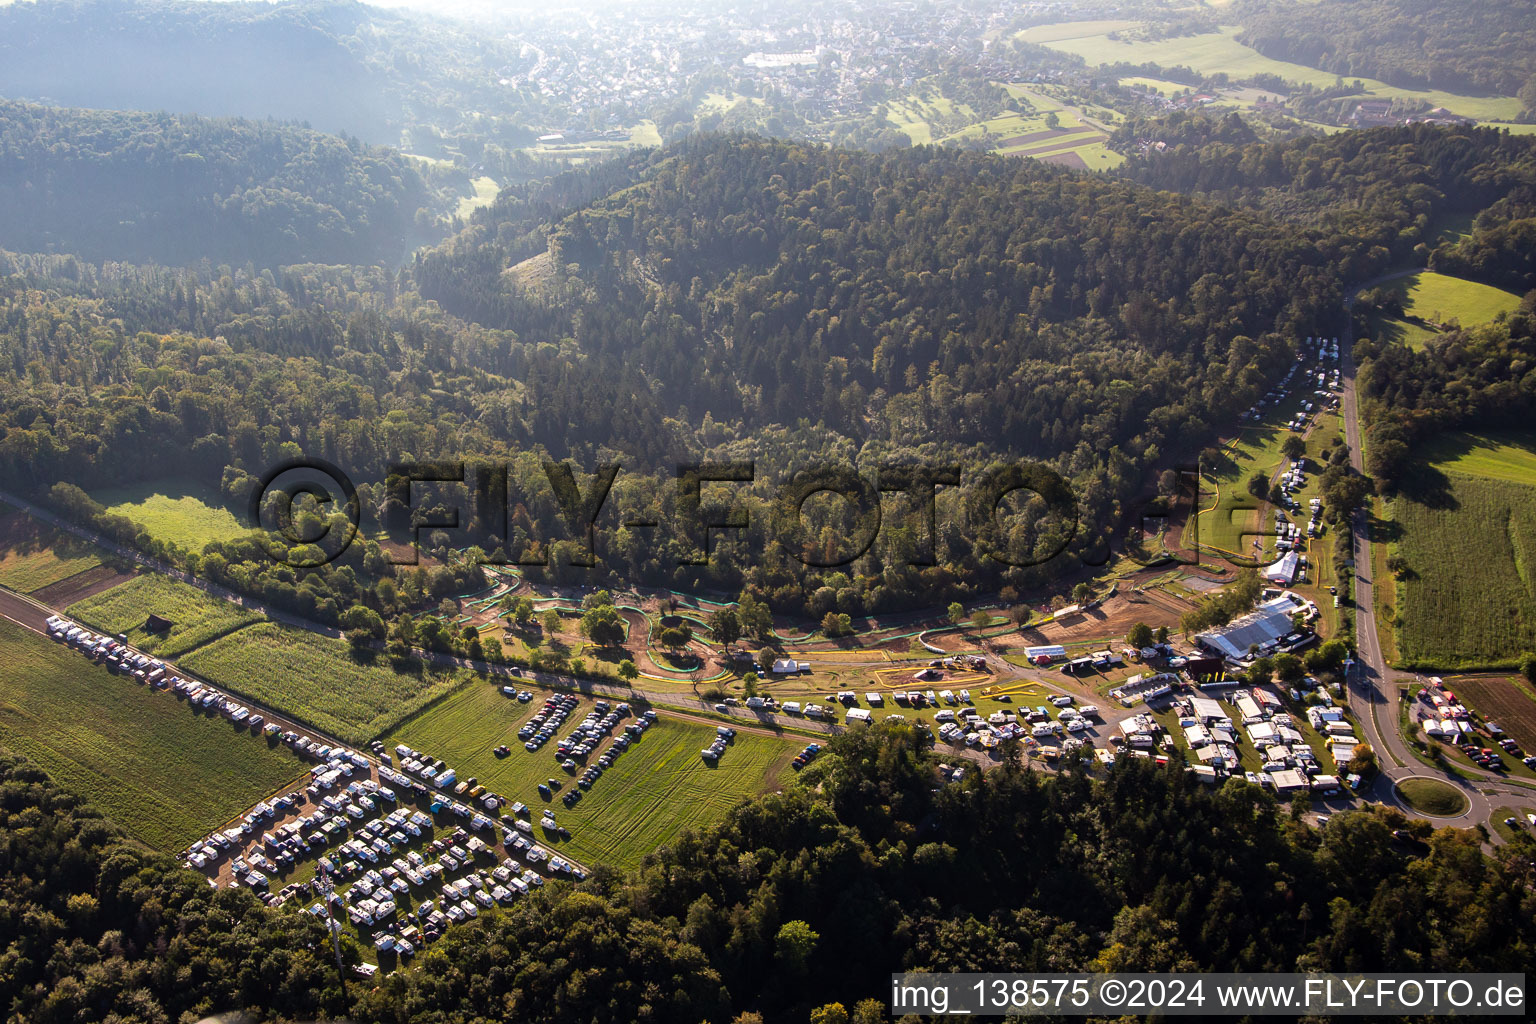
{"type": "Point", "coordinates": [1158, 85]}
{"type": "Point", "coordinates": [1466, 520]}
{"type": "Point", "coordinates": [1068, 30]}
{"type": "Point", "coordinates": [1042, 127]}
{"type": "Point", "coordinates": [1214, 52]}
{"type": "Point", "coordinates": [1431, 301]}
{"type": "Point", "coordinates": [1078, 139]}
{"type": "Point", "coordinates": [169, 776]}
{"type": "Point", "coordinates": [317, 680]}
{"type": "Point", "coordinates": [931, 118]}
{"type": "Point", "coordinates": [577, 153]}
{"type": "Point", "coordinates": [652, 794]}
{"type": "Point", "coordinates": [1506, 700]}
{"type": "Point", "coordinates": [34, 556]}
{"type": "Point", "coordinates": [197, 618]}
{"type": "Point", "coordinates": [177, 511]}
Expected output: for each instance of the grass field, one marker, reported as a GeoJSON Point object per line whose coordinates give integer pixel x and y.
{"type": "Point", "coordinates": [1431, 796]}
{"type": "Point", "coordinates": [1467, 524]}
{"type": "Point", "coordinates": [1066, 30]}
{"type": "Point", "coordinates": [34, 556]}
{"type": "Point", "coordinates": [485, 194]}
{"type": "Point", "coordinates": [197, 618]}
{"type": "Point", "coordinates": [166, 774]}
{"type": "Point", "coordinates": [1213, 52]}
{"type": "Point", "coordinates": [1497, 455]}
{"type": "Point", "coordinates": [178, 511]}
{"type": "Point", "coordinates": [1431, 300]}
{"type": "Point", "coordinates": [317, 680]}
{"type": "Point", "coordinates": [653, 793]}
{"type": "Point", "coordinates": [1256, 448]}
{"type": "Point", "coordinates": [1026, 132]}
{"type": "Point", "coordinates": [1157, 85]}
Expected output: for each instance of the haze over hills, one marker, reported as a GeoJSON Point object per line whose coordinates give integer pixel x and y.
{"type": "Point", "coordinates": [1113, 570]}
{"type": "Point", "coordinates": [108, 185]}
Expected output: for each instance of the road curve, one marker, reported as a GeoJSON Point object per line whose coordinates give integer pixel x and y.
{"type": "Point", "coordinates": [1373, 686]}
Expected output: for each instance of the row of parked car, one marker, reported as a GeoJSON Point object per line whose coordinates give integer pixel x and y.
{"type": "Point", "coordinates": [541, 728]}
{"type": "Point", "coordinates": [632, 733]}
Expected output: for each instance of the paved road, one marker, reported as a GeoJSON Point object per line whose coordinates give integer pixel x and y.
{"type": "Point", "coordinates": [1373, 685]}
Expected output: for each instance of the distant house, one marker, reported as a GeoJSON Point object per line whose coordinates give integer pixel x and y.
{"type": "Point", "coordinates": [1372, 113]}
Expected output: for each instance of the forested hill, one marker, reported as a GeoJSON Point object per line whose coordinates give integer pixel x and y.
{"type": "Point", "coordinates": [109, 185]}
{"type": "Point", "coordinates": [907, 297]}
{"type": "Point", "coordinates": [1391, 188]}
{"type": "Point", "coordinates": [1488, 46]}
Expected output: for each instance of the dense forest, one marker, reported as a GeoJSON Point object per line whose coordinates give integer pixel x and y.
{"type": "Point", "coordinates": [825, 889]}
{"type": "Point", "coordinates": [1392, 188]}
{"type": "Point", "coordinates": [734, 299]}
{"type": "Point", "coordinates": [1487, 47]}
{"type": "Point", "coordinates": [109, 185]}
{"type": "Point", "coordinates": [1501, 248]}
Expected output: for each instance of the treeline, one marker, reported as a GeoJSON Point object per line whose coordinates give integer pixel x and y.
{"type": "Point", "coordinates": [110, 185]}
{"type": "Point", "coordinates": [1478, 377]}
{"type": "Point", "coordinates": [1501, 248]}
{"type": "Point", "coordinates": [797, 901]}
{"type": "Point", "coordinates": [1416, 44]}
